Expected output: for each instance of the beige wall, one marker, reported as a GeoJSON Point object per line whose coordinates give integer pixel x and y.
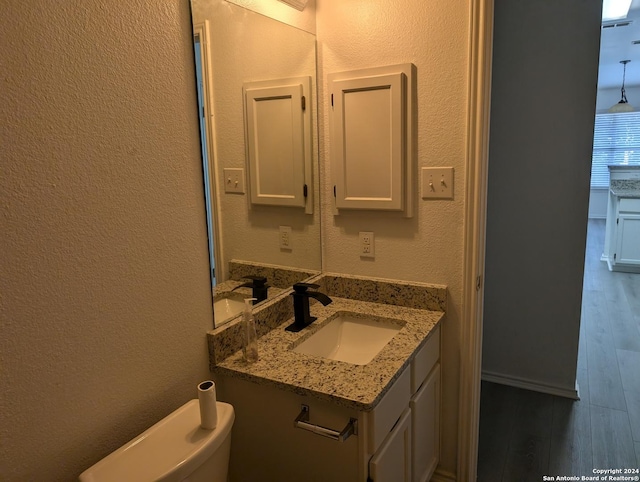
{"type": "Point", "coordinates": [104, 285]}
{"type": "Point", "coordinates": [105, 298]}
{"type": "Point", "coordinates": [539, 168]}
{"type": "Point", "coordinates": [434, 36]}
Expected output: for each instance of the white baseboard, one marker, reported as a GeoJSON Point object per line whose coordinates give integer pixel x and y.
{"type": "Point", "coordinates": [519, 382]}
{"type": "Point", "coordinates": [443, 476]}
{"type": "Point", "coordinates": [625, 268]}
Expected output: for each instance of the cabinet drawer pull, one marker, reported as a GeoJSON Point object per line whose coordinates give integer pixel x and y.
{"type": "Point", "coordinates": [302, 421]}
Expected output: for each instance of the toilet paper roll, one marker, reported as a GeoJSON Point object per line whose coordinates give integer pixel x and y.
{"type": "Point", "coordinates": [208, 408]}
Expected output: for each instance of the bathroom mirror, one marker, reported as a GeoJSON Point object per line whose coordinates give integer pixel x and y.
{"type": "Point", "coordinates": [236, 47]}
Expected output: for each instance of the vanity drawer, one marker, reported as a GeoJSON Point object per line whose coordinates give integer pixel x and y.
{"type": "Point", "coordinates": [425, 360]}
{"type": "Point", "coordinates": [386, 414]}
{"type": "Point", "coordinates": [629, 205]}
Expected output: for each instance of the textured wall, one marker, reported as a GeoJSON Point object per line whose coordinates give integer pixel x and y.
{"type": "Point", "coordinates": [539, 168]}
{"type": "Point", "coordinates": [434, 36]}
{"type": "Point", "coordinates": [104, 285]}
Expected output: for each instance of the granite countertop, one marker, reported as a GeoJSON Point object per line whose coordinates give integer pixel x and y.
{"type": "Point", "coordinates": [625, 188]}
{"type": "Point", "coordinates": [631, 193]}
{"type": "Point", "coordinates": [354, 386]}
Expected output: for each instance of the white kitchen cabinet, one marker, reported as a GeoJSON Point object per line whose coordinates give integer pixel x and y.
{"type": "Point", "coordinates": [622, 251]}
{"type": "Point", "coordinates": [622, 233]}
{"type": "Point", "coordinates": [628, 239]}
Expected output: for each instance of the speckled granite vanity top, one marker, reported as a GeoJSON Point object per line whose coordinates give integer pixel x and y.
{"type": "Point", "coordinates": [355, 386]}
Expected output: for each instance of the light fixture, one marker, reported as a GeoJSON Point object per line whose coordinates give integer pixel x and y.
{"type": "Point", "coordinates": [297, 4]}
{"type": "Point", "coordinates": [615, 9]}
{"type": "Point", "coordinates": [623, 105]}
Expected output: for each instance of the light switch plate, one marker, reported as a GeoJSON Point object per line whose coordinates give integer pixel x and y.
{"type": "Point", "coordinates": [234, 180]}
{"type": "Point", "coordinates": [436, 183]}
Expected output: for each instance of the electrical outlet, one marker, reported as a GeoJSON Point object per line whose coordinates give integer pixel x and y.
{"type": "Point", "coordinates": [437, 182]}
{"type": "Point", "coordinates": [285, 237]}
{"type": "Point", "coordinates": [234, 180]}
{"type": "Point", "coordinates": [367, 249]}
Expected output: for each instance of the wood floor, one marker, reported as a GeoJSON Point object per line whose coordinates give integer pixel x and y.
{"type": "Point", "coordinates": [525, 435]}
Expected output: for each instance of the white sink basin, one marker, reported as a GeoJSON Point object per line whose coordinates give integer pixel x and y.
{"type": "Point", "coordinates": [350, 339]}
{"type": "Point", "coordinates": [227, 307]}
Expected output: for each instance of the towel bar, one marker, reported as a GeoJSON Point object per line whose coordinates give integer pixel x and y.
{"type": "Point", "coordinates": [302, 421]}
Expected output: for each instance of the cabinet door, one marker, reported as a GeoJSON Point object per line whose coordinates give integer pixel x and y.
{"type": "Point", "coordinates": [628, 237]}
{"type": "Point", "coordinates": [425, 429]}
{"type": "Point", "coordinates": [392, 462]}
{"type": "Point", "coordinates": [372, 138]}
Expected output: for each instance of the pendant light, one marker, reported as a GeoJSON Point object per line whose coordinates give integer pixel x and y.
{"type": "Point", "coordinates": [623, 105]}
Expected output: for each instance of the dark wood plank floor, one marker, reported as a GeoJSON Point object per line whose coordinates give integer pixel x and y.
{"type": "Point", "coordinates": [525, 435]}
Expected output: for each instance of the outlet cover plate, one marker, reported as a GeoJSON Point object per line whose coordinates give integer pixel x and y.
{"type": "Point", "coordinates": [367, 244]}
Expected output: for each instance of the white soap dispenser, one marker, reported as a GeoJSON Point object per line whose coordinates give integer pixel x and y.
{"type": "Point", "coordinates": [249, 335]}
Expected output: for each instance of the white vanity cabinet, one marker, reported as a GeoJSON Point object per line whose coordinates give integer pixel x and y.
{"type": "Point", "coordinates": [411, 450]}
{"type": "Point", "coordinates": [392, 461]}
{"type": "Point", "coordinates": [425, 406]}
{"type": "Point", "coordinates": [397, 441]}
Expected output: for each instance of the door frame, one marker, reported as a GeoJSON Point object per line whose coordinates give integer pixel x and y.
{"type": "Point", "coordinates": [201, 31]}
{"type": "Point", "coordinates": [477, 163]}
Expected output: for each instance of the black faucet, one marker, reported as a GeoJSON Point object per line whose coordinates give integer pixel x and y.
{"type": "Point", "coordinates": [301, 295]}
{"type": "Point", "coordinates": [258, 285]}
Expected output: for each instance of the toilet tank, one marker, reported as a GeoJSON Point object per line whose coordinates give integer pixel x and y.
{"type": "Point", "coordinates": [174, 449]}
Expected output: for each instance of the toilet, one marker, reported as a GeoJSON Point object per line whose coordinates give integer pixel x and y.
{"type": "Point", "coordinates": [174, 449]}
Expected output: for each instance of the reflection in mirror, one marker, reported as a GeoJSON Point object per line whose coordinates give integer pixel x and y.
{"type": "Point", "coordinates": [238, 50]}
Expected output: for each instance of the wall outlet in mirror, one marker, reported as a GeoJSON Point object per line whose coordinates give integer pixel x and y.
{"type": "Point", "coordinates": [285, 237]}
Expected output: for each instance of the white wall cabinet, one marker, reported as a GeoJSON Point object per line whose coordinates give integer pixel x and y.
{"type": "Point", "coordinates": [371, 125]}
{"type": "Point", "coordinates": [278, 135]}
{"type": "Point", "coordinates": [398, 441]}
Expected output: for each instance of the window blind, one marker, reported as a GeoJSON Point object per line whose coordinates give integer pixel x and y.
{"type": "Point", "coordinates": [616, 140]}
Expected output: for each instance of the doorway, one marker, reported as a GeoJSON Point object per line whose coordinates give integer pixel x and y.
{"type": "Point", "coordinates": [536, 241]}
